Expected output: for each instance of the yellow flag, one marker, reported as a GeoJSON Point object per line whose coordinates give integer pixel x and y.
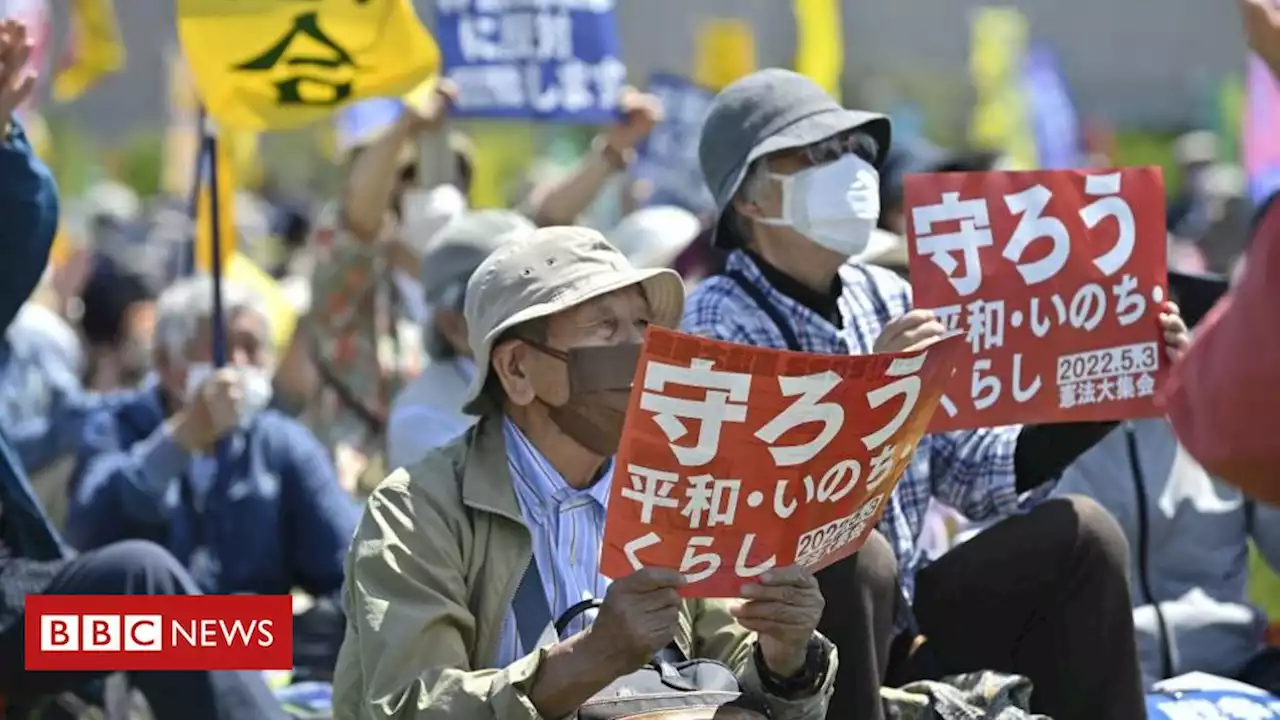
{"type": "Point", "coordinates": [820, 43]}
{"type": "Point", "coordinates": [275, 65]}
{"type": "Point", "coordinates": [96, 50]}
{"type": "Point", "coordinates": [226, 209]}
{"type": "Point", "coordinates": [726, 50]}
{"type": "Point", "coordinates": [1000, 119]}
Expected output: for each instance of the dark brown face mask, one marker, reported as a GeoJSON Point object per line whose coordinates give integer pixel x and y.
{"type": "Point", "coordinates": [599, 390]}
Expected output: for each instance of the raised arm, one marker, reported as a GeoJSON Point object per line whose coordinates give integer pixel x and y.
{"type": "Point", "coordinates": [28, 193]}
{"type": "Point", "coordinates": [562, 201]}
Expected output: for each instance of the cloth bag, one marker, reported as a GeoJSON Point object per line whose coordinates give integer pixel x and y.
{"type": "Point", "coordinates": [670, 687]}
{"type": "Point", "coordinates": [1223, 398]}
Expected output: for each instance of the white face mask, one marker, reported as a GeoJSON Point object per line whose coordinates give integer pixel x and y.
{"type": "Point", "coordinates": [256, 385]}
{"type": "Point", "coordinates": [835, 205]}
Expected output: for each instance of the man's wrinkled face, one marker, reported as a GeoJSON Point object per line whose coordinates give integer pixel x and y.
{"type": "Point", "coordinates": [614, 319]}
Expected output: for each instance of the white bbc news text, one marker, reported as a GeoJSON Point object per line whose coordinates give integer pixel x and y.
{"type": "Point", "coordinates": [144, 633]}
{"type": "Point", "coordinates": [101, 633]}
{"type": "Point", "coordinates": [217, 633]}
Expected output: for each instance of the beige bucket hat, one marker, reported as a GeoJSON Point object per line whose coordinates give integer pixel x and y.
{"type": "Point", "coordinates": [547, 271]}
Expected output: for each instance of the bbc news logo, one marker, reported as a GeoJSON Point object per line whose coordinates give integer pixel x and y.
{"type": "Point", "coordinates": [143, 632]}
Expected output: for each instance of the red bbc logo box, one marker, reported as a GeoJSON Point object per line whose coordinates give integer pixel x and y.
{"type": "Point", "coordinates": [143, 632]}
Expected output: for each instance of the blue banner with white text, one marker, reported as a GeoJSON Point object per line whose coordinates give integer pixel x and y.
{"type": "Point", "coordinates": [554, 60]}
{"type": "Point", "coordinates": [668, 158]}
{"type": "Point", "coordinates": [1212, 705]}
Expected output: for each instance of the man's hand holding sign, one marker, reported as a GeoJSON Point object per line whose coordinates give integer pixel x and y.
{"type": "Point", "coordinates": [738, 462]}
{"type": "Point", "coordinates": [1077, 259]}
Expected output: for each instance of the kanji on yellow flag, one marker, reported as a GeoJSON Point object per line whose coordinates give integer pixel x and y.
{"type": "Point", "coordinates": [272, 64]}
{"type": "Point", "coordinates": [820, 43]}
{"type": "Point", "coordinates": [226, 183]}
{"type": "Point", "coordinates": [95, 52]}
{"type": "Point", "coordinates": [725, 51]}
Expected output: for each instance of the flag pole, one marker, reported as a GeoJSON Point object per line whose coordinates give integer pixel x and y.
{"type": "Point", "coordinates": [187, 257]}
{"type": "Point", "coordinates": [218, 320]}
{"type": "Point", "coordinates": [210, 143]}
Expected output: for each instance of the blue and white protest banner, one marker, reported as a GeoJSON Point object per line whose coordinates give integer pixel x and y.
{"type": "Point", "coordinates": [1199, 696]}
{"type": "Point", "coordinates": [557, 60]}
{"type": "Point", "coordinates": [1212, 705]}
{"type": "Point", "coordinates": [668, 158]}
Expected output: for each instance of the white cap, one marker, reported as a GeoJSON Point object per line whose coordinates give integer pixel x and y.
{"type": "Point", "coordinates": [654, 237]}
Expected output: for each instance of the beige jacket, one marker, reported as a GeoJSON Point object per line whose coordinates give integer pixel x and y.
{"type": "Point", "coordinates": [432, 570]}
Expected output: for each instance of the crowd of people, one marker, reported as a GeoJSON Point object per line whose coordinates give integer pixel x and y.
{"type": "Point", "coordinates": [425, 457]}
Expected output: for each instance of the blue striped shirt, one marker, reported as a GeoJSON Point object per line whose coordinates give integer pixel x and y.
{"type": "Point", "coordinates": [567, 526]}
{"type": "Point", "coordinates": [971, 471]}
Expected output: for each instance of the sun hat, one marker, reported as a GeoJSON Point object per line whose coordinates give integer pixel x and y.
{"type": "Point", "coordinates": [654, 237]}
{"type": "Point", "coordinates": [766, 112]}
{"type": "Point", "coordinates": [544, 272]}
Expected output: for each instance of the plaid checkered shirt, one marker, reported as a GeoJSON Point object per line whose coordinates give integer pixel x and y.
{"type": "Point", "coordinates": [971, 471]}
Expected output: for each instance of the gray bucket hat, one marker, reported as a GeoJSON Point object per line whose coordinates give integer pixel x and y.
{"type": "Point", "coordinates": [766, 112]}
{"type": "Point", "coordinates": [547, 271]}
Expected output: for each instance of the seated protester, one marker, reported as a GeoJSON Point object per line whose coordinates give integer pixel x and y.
{"type": "Point", "coordinates": [1221, 399]}
{"type": "Point", "coordinates": [431, 628]}
{"type": "Point", "coordinates": [43, 406]}
{"type": "Point", "coordinates": [117, 320]}
{"type": "Point", "coordinates": [428, 412]}
{"type": "Point", "coordinates": [33, 559]}
{"type": "Point", "coordinates": [1189, 535]}
{"type": "Point", "coordinates": [794, 176]}
{"type": "Point", "coordinates": [272, 518]}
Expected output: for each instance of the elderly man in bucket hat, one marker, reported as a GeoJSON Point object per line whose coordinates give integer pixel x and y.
{"type": "Point", "coordinates": [453, 546]}
{"type": "Point", "coordinates": [1043, 594]}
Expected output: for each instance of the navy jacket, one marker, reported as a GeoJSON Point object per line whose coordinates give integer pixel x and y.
{"type": "Point", "coordinates": [28, 221]}
{"type": "Point", "coordinates": [273, 520]}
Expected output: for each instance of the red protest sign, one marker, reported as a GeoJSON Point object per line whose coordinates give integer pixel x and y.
{"type": "Point", "coordinates": [737, 459]}
{"type": "Point", "coordinates": [1055, 279]}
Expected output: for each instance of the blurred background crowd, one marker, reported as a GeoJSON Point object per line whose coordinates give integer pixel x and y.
{"type": "Point", "coordinates": [353, 351]}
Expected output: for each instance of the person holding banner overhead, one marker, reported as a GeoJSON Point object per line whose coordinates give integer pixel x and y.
{"type": "Point", "coordinates": [464, 559]}
{"type": "Point", "coordinates": [795, 179]}
{"type": "Point", "coordinates": [33, 558]}
{"type": "Point", "coordinates": [360, 242]}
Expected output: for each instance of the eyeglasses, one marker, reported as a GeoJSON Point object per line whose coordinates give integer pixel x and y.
{"type": "Point", "coordinates": [854, 143]}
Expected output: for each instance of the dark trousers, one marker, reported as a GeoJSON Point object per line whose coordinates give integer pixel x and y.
{"type": "Point", "coordinates": [137, 568]}
{"type": "Point", "coordinates": [1044, 595]}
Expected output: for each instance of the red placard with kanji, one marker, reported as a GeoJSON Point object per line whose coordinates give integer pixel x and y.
{"type": "Point", "coordinates": [1055, 279]}
{"type": "Point", "coordinates": [737, 459]}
